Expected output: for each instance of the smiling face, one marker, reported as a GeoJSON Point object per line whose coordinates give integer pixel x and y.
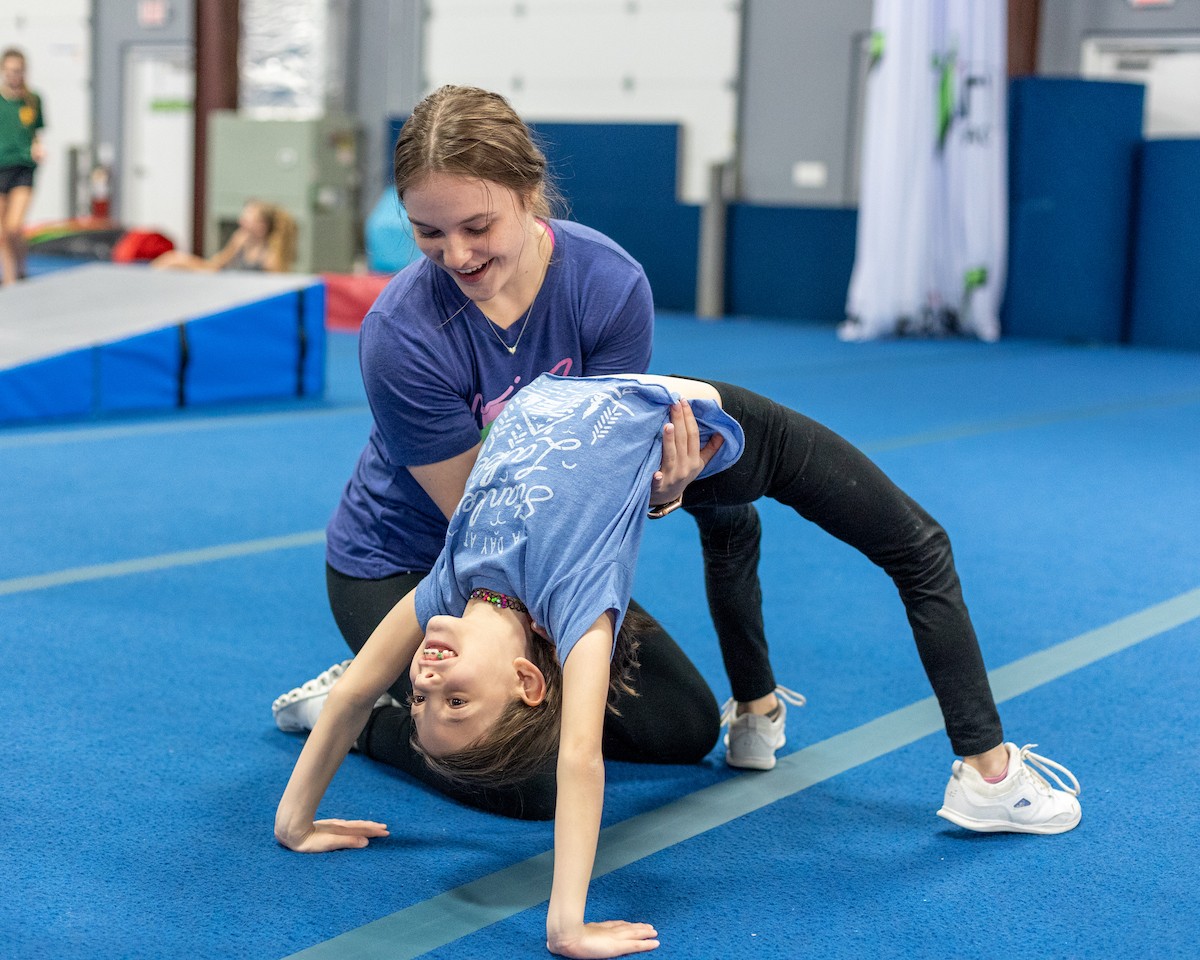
{"type": "Point", "coordinates": [467, 672]}
{"type": "Point", "coordinates": [482, 234]}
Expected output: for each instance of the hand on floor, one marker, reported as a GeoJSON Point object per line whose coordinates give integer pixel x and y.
{"type": "Point", "coordinates": [611, 938]}
{"type": "Point", "coordinates": [329, 835]}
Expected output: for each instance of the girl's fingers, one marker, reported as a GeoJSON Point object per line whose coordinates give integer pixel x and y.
{"type": "Point", "coordinates": [710, 449]}
{"type": "Point", "coordinates": [693, 431]}
{"type": "Point", "coordinates": [353, 827]}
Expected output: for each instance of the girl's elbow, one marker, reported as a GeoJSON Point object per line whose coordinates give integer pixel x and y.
{"type": "Point", "coordinates": [347, 696]}
{"type": "Point", "coordinates": [580, 764]}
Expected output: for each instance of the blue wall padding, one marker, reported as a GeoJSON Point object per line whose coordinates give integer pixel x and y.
{"type": "Point", "coordinates": [314, 336]}
{"type": "Point", "coordinates": [789, 261]}
{"type": "Point", "coordinates": [57, 387]}
{"type": "Point", "coordinates": [250, 351]}
{"type": "Point", "coordinates": [1072, 152]}
{"type": "Point", "coordinates": [612, 160]}
{"type": "Point", "coordinates": [1165, 307]}
{"type": "Point", "coordinates": [139, 373]}
{"type": "Point", "coordinates": [621, 179]}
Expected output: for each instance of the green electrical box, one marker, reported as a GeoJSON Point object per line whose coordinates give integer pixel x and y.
{"type": "Point", "coordinates": [308, 167]}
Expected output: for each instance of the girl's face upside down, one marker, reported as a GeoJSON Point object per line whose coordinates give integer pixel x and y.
{"type": "Point", "coordinates": [467, 672]}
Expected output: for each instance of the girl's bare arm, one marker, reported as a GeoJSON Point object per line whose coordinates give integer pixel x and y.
{"type": "Point", "coordinates": [221, 258]}
{"type": "Point", "coordinates": [688, 389]}
{"type": "Point", "coordinates": [347, 708]}
{"type": "Point", "coordinates": [580, 803]}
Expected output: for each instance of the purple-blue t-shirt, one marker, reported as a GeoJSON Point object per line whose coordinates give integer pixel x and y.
{"type": "Point", "coordinates": [437, 373]}
{"type": "Point", "coordinates": [555, 506]}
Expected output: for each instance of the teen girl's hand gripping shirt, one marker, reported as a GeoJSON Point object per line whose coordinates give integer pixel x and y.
{"type": "Point", "coordinates": [555, 506]}
{"type": "Point", "coordinates": [437, 374]}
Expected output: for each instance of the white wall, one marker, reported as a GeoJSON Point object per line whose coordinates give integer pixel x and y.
{"type": "Point", "coordinates": [56, 38]}
{"type": "Point", "coordinates": [803, 85]}
{"type": "Point", "coordinates": [604, 60]}
{"type": "Point", "coordinates": [1065, 24]}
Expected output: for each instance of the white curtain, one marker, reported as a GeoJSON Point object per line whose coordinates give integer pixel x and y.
{"type": "Point", "coordinates": [932, 216]}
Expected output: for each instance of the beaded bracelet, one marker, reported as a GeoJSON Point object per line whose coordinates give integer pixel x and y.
{"type": "Point", "coordinates": [499, 600]}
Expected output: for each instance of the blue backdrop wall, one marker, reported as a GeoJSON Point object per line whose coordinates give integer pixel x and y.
{"type": "Point", "coordinates": [1073, 146]}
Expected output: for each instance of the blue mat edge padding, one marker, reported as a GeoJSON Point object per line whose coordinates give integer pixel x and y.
{"type": "Point", "coordinates": [313, 331]}
{"type": "Point", "coordinates": [56, 387]}
{"type": "Point", "coordinates": [245, 353]}
{"type": "Point", "coordinates": [1165, 300]}
{"type": "Point", "coordinates": [141, 373]}
{"type": "Point", "coordinates": [144, 372]}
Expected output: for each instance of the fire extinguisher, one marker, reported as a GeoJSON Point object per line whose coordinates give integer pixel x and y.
{"type": "Point", "coordinates": [100, 191]}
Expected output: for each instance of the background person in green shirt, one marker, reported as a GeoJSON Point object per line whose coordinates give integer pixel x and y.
{"type": "Point", "coordinates": [20, 152]}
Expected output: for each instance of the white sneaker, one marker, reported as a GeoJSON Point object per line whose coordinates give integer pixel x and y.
{"type": "Point", "coordinates": [1023, 802]}
{"type": "Point", "coordinates": [753, 738]}
{"type": "Point", "coordinates": [297, 710]}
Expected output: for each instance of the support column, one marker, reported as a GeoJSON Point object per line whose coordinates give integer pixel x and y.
{"type": "Point", "coordinates": [1023, 21]}
{"type": "Point", "coordinates": [218, 24]}
{"type": "Point", "coordinates": [710, 272]}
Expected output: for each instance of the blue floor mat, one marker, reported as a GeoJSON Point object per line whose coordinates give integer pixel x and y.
{"type": "Point", "coordinates": [143, 766]}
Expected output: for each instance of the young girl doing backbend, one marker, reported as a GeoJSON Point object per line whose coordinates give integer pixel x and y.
{"type": "Point", "coordinates": [509, 642]}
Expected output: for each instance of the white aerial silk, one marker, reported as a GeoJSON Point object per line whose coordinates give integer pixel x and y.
{"type": "Point", "coordinates": [933, 204]}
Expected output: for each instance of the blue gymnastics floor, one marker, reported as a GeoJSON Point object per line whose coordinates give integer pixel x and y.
{"type": "Point", "coordinates": [150, 612]}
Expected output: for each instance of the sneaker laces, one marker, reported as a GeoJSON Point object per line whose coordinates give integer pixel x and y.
{"type": "Point", "coordinates": [1033, 760]}
{"type": "Point", "coordinates": [729, 709]}
{"type": "Point", "coordinates": [327, 678]}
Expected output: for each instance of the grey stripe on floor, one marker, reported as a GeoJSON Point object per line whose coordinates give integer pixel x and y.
{"type": "Point", "coordinates": [47, 438]}
{"type": "Point", "coordinates": [466, 909]}
{"type": "Point", "coordinates": [162, 561]}
{"type": "Point", "coordinates": [1032, 420]}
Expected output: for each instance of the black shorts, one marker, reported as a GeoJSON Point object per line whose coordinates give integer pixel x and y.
{"type": "Point", "coordinates": [13, 177]}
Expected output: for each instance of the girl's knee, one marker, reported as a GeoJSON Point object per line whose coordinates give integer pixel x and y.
{"type": "Point", "coordinates": [928, 560]}
{"type": "Point", "coordinates": [728, 529]}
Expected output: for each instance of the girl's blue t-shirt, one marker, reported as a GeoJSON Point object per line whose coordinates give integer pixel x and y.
{"type": "Point", "coordinates": [438, 372]}
{"type": "Point", "coordinates": [555, 507]}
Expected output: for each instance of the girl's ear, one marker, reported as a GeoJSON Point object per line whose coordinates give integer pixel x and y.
{"type": "Point", "coordinates": [532, 685]}
{"type": "Point", "coordinates": [540, 631]}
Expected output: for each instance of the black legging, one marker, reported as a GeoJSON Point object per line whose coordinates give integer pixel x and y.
{"type": "Point", "coordinates": [808, 467]}
{"type": "Point", "coordinates": [673, 719]}
{"type": "Point", "coordinates": [824, 478]}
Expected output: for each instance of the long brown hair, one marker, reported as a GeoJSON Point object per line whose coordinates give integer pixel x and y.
{"type": "Point", "coordinates": [474, 133]}
{"type": "Point", "coordinates": [281, 234]}
{"type": "Point", "coordinates": [27, 95]}
{"type": "Point", "coordinates": [524, 740]}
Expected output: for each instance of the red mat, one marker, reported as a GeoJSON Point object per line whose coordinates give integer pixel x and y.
{"type": "Point", "coordinates": [348, 297]}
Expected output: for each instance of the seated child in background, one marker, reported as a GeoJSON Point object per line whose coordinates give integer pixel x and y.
{"type": "Point", "coordinates": [513, 641]}
{"type": "Point", "coordinates": [265, 240]}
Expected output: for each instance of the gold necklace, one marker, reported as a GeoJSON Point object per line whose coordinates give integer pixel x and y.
{"type": "Point", "coordinates": [492, 326]}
